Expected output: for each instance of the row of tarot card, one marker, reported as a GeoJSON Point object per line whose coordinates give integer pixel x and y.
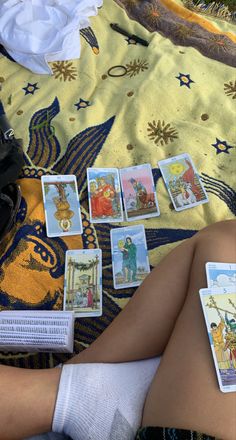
{"type": "Point", "coordinates": [107, 187]}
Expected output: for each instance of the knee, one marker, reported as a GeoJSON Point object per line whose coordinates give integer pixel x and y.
{"type": "Point", "coordinates": [222, 233]}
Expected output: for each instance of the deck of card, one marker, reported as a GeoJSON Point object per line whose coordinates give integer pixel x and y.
{"type": "Point", "coordinates": [219, 308]}
{"type": "Point", "coordinates": [183, 182]}
{"type": "Point", "coordinates": [62, 206]}
{"type": "Point", "coordinates": [130, 262]}
{"type": "Point", "coordinates": [83, 282]}
{"type": "Point", "coordinates": [35, 331]}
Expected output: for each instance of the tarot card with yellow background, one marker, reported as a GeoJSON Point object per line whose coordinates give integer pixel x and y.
{"type": "Point", "coordinates": [183, 182]}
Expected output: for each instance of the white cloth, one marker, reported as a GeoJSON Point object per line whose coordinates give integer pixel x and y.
{"type": "Point", "coordinates": [102, 401]}
{"type": "Point", "coordinates": [37, 31]}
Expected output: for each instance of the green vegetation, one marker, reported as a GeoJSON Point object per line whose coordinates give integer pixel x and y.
{"type": "Point", "coordinates": [230, 3]}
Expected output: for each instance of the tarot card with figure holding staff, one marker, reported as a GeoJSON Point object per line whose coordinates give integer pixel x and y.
{"type": "Point", "coordinates": [219, 308]}
{"type": "Point", "coordinates": [130, 262]}
{"type": "Point", "coordinates": [104, 195]}
{"type": "Point", "coordinates": [139, 194]}
{"type": "Point", "coordinates": [83, 282]}
{"type": "Point", "coordinates": [62, 207]}
{"type": "Point", "coordinates": [183, 182]}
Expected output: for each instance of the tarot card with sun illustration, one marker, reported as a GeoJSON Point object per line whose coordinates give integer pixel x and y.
{"type": "Point", "coordinates": [219, 309]}
{"type": "Point", "coordinates": [83, 282]}
{"type": "Point", "coordinates": [183, 182]}
{"type": "Point", "coordinates": [62, 206]}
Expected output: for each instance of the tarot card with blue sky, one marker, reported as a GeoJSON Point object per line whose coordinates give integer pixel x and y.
{"type": "Point", "coordinates": [219, 309]}
{"type": "Point", "coordinates": [104, 194]}
{"type": "Point", "coordinates": [83, 282]}
{"type": "Point", "coordinates": [221, 274]}
{"type": "Point", "coordinates": [139, 193]}
{"type": "Point", "coordinates": [130, 263]}
{"type": "Point", "coordinates": [62, 206]}
{"type": "Point", "coordinates": [183, 182]}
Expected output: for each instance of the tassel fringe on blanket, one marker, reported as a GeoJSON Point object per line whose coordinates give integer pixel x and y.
{"type": "Point", "coordinates": [216, 9]}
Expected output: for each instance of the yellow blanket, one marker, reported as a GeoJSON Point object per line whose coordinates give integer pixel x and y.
{"type": "Point", "coordinates": [171, 100]}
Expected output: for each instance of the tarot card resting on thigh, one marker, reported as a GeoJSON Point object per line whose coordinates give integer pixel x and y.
{"type": "Point", "coordinates": [130, 264]}
{"type": "Point", "coordinates": [183, 182]}
{"type": "Point", "coordinates": [219, 308]}
{"type": "Point", "coordinates": [221, 274]}
{"type": "Point", "coordinates": [139, 194]}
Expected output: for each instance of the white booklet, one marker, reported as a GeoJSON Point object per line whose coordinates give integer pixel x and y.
{"type": "Point", "coordinates": [30, 331]}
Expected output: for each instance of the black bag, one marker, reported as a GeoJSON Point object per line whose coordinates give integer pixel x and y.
{"type": "Point", "coordinates": [11, 162]}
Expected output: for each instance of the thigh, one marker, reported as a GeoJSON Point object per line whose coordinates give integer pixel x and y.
{"type": "Point", "coordinates": [185, 392]}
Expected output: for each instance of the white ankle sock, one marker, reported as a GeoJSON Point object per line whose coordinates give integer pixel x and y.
{"type": "Point", "coordinates": [102, 401]}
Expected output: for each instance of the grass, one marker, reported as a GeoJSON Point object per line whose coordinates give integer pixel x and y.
{"type": "Point", "coordinates": [230, 3]}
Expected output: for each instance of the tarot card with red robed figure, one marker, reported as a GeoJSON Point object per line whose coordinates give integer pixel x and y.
{"type": "Point", "coordinates": [104, 194]}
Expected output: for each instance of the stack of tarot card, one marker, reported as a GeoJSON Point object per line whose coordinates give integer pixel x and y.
{"type": "Point", "coordinates": [219, 309]}
{"type": "Point", "coordinates": [37, 331]}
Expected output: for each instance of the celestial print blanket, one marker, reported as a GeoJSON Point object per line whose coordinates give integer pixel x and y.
{"type": "Point", "coordinates": [174, 97]}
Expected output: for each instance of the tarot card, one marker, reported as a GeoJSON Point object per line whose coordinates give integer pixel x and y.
{"type": "Point", "coordinates": [183, 182]}
{"type": "Point", "coordinates": [219, 308]}
{"type": "Point", "coordinates": [221, 274]}
{"type": "Point", "coordinates": [62, 206]}
{"type": "Point", "coordinates": [130, 264]}
{"type": "Point", "coordinates": [83, 282]}
{"type": "Point", "coordinates": [104, 194]}
{"type": "Point", "coordinates": [139, 194]}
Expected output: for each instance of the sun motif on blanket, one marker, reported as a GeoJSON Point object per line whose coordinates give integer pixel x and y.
{"type": "Point", "coordinates": [230, 89]}
{"type": "Point", "coordinates": [136, 66]}
{"type": "Point", "coordinates": [161, 132]}
{"type": "Point", "coordinates": [219, 43]}
{"type": "Point", "coordinates": [64, 70]}
{"type": "Point", "coordinates": [151, 13]}
{"type": "Point", "coordinates": [36, 261]}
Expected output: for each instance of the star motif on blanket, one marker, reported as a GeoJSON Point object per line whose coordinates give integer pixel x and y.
{"type": "Point", "coordinates": [221, 146]}
{"type": "Point", "coordinates": [30, 88]}
{"type": "Point", "coordinates": [185, 80]}
{"type": "Point", "coordinates": [29, 250]}
{"type": "Point", "coordinates": [82, 104]}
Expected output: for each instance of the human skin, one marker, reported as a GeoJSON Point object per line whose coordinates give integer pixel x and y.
{"type": "Point", "coordinates": [163, 317]}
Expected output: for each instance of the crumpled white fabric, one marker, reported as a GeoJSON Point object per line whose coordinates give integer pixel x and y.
{"type": "Point", "coordinates": [37, 31]}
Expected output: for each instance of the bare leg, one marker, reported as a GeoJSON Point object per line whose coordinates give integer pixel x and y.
{"type": "Point", "coordinates": [27, 401]}
{"type": "Point", "coordinates": [150, 315]}
{"type": "Point", "coordinates": [185, 392]}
